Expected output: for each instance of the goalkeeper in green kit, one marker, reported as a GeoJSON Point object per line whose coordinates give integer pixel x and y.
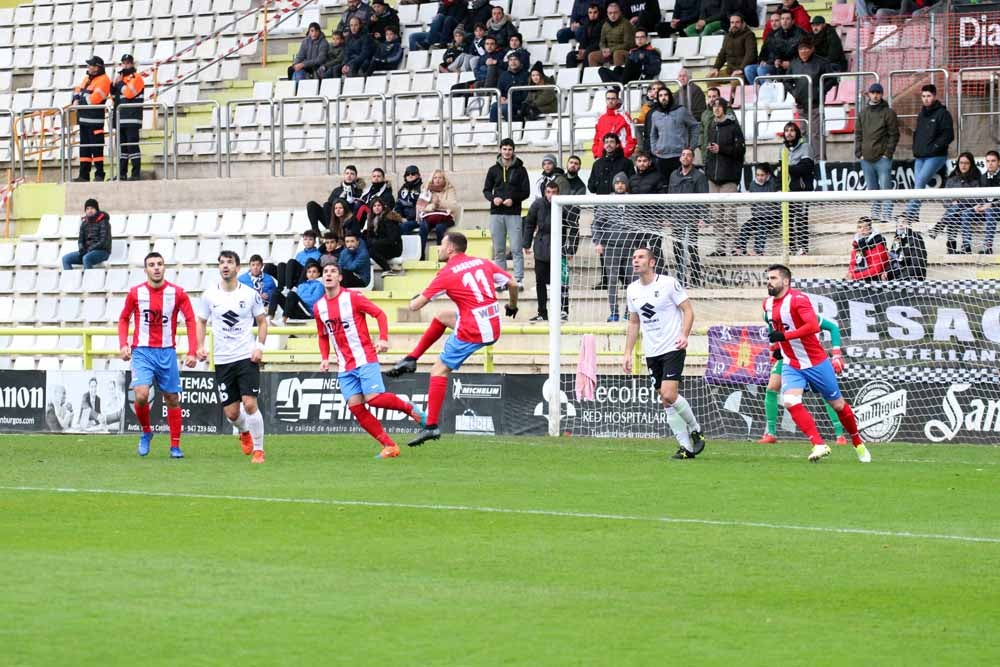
{"type": "Point", "coordinates": [774, 385]}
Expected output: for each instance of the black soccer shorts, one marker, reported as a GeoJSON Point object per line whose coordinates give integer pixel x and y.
{"type": "Point", "coordinates": [669, 366]}
{"type": "Point", "coordinates": [235, 380]}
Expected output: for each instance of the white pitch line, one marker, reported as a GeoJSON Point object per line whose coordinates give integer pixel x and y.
{"type": "Point", "coordinates": [513, 511]}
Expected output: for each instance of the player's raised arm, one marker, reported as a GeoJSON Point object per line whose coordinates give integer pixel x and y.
{"type": "Point", "coordinates": [123, 319]}
{"type": "Point", "coordinates": [187, 310]}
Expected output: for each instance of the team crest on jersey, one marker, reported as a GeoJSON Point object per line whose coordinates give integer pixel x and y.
{"type": "Point", "coordinates": [243, 304]}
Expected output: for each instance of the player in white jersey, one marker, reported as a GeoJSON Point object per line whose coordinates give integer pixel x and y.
{"type": "Point", "coordinates": [232, 308]}
{"type": "Point", "coordinates": [659, 306]}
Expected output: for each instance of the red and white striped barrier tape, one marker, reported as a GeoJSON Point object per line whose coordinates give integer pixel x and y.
{"type": "Point", "coordinates": [8, 190]}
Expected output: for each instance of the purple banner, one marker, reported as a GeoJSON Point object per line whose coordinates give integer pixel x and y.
{"type": "Point", "coordinates": [738, 354]}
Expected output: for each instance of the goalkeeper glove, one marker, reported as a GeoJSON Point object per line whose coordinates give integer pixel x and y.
{"type": "Point", "coordinates": [838, 361]}
{"type": "Point", "coordinates": [776, 336]}
{"type": "Point", "coordinates": [511, 311]}
{"type": "Point", "coordinates": [776, 352]}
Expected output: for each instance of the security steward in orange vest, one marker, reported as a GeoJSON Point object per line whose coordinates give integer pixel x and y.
{"type": "Point", "coordinates": [94, 89]}
{"type": "Point", "coordinates": [128, 89]}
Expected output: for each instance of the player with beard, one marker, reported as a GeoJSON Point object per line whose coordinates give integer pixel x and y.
{"type": "Point", "coordinates": [795, 331]}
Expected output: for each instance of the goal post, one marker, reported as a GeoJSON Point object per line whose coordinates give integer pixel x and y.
{"type": "Point", "coordinates": [940, 323]}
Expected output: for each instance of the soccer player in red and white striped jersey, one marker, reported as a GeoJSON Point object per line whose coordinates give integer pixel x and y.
{"type": "Point", "coordinates": [341, 316]}
{"type": "Point", "coordinates": [152, 309]}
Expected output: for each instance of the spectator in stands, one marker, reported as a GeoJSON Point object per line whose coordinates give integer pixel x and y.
{"type": "Point", "coordinates": [512, 76]}
{"type": "Point", "coordinates": [934, 133]}
{"type": "Point", "coordinates": [538, 239]}
{"type": "Point", "coordinates": [763, 217]}
{"type": "Point", "coordinates": [799, 14]}
{"type": "Point", "coordinates": [94, 90]}
{"type": "Point", "coordinates": [475, 49]}
{"type": "Point", "coordinates": [960, 212]}
{"type": "Point", "coordinates": [779, 49]}
{"type": "Point", "coordinates": [612, 121]}
{"type": "Point", "coordinates": [487, 66]}
{"type": "Point", "coordinates": [383, 16]}
{"type": "Point", "coordinates": [478, 13]}
{"type": "Point", "coordinates": [437, 207]}
{"type": "Point", "coordinates": [646, 180]}
{"type": "Point", "coordinates": [506, 187]}
{"type": "Point", "coordinates": [772, 24]}
{"type": "Point", "coordinates": [671, 130]}
{"type": "Point", "coordinates": [989, 210]}
{"type": "Point", "coordinates": [643, 62]}
{"type": "Point", "coordinates": [355, 264]}
{"type": "Point", "coordinates": [611, 162]}
{"type": "Point", "coordinates": [828, 44]}
{"type": "Point", "coordinates": [869, 255]}
{"type": "Point", "coordinates": [355, 8]}
{"type": "Point", "coordinates": [614, 243]}
{"type": "Point", "coordinates": [809, 95]}
{"type": "Point", "coordinates": [349, 191]}
{"type": "Point", "coordinates": [876, 134]}
{"type": "Point", "coordinates": [343, 219]}
{"type": "Point", "coordinates": [739, 51]}
{"type": "Point", "coordinates": [128, 88]}
{"type": "Point", "coordinates": [644, 118]}
{"type": "Point", "coordinates": [382, 234]}
{"type": "Point", "coordinates": [571, 220]}
{"type": "Point", "coordinates": [686, 13]}
{"type": "Point", "coordinates": [500, 26]}
{"type": "Point", "coordinates": [708, 117]}
{"type": "Point", "coordinates": [643, 14]}
{"type": "Point", "coordinates": [379, 188]}
{"type": "Point", "coordinates": [406, 200]}
{"type": "Point", "coordinates": [541, 101]}
{"type": "Point", "coordinates": [332, 245]}
{"type": "Point", "coordinates": [260, 282]}
{"type": "Point", "coordinates": [298, 303]}
{"type": "Point", "coordinates": [334, 64]}
{"type": "Point", "coordinates": [577, 20]}
{"type": "Point", "coordinates": [94, 240]}
{"type": "Point", "coordinates": [450, 14]}
{"type": "Point", "coordinates": [551, 173]}
{"type": "Point", "coordinates": [291, 273]}
{"type": "Point", "coordinates": [617, 37]}
{"type": "Point", "coordinates": [801, 178]}
{"type": "Point", "coordinates": [313, 53]}
{"type": "Point", "coordinates": [457, 48]}
{"type": "Point", "coordinates": [690, 94]}
{"type": "Point", "coordinates": [724, 169]}
{"type": "Point", "coordinates": [388, 52]}
{"type": "Point", "coordinates": [516, 50]}
{"type": "Point", "coordinates": [686, 220]}
{"type": "Point", "coordinates": [897, 7]}
{"type": "Point", "coordinates": [588, 37]}
{"type": "Point", "coordinates": [908, 253]}
{"type": "Point", "coordinates": [713, 16]}
{"type": "Point", "coordinates": [359, 50]}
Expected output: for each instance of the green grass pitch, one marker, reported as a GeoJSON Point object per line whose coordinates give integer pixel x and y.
{"type": "Point", "coordinates": [473, 551]}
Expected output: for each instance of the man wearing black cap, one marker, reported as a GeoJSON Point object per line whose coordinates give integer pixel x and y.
{"type": "Point", "coordinates": [94, 90]}
{"type": "Point", "coordinates": [94, 243]}
{"type": "Point", "coordinates": [828, 43]}
{"type": "Point", "coordinates": [876, 134]}
{"type": "Point", "coordinates": [128, 89]}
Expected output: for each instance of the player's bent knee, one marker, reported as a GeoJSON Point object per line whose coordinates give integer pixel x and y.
{"type": "Point", "coordinates": [172, 400]}
{"type": "Point", "coordinates": [250, 404]}
{"type": "Point", "coordinates": [791, 400]}
{"type": "Point", "coordinates": [838, 404]}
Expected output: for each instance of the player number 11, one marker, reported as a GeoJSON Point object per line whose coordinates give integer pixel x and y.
{"type": "Point", "coordinates": [470, 280]}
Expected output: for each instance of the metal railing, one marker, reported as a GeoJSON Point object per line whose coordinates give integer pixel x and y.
{"type": "Point", "coordinates": [477, 93]}
{"type": "Point", "coordinates": [395, 122]}
{"type": "Point", "coordinates": [216, 132]}
{"type": "Point", "coordinates": [526, 89]}
{"type": "Point", "coordinates": [68, 132]}
{"type": "Point", "coordinates": [741, 87]}
{"type": "Point", "coordinates": [142, 106]}
{"type": "Point", "coordinates": [992, 92]}
{"type": "Point", "coordinates": [228, 128]}
{"type": "Point", "coordinates": [781, 77]}
{"type": "Point", "coordinates": [382, 119]}
{"type": "Point", "coordinates": [10, 139]}
{"type": "Point", "coordinates": [822, 104]}
{"type": "Point", "coordinates": [284, 102]}
{"type": "Point", "coordinates": [20, 131]}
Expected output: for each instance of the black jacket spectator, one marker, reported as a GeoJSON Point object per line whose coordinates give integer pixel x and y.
{"type": "Point", "coordinates": [782, 44]}
{"type": "Point", "coordinates": [359, 50]}
{"type": "Point", "coordinates": [935, 131]}
{"type": "Point", "coordinates": [814, 68]}
{"type": "Point", "coordinates": [538, 229]}
{"type": "Point", "coordinates": [478, 12]}
{"type": "Point", "coordinates": [603, 172]}
{"type": "Point", "coordinates": [507, 182]}
{"type": "Point", "coordinates": [406, 198]}
{"type": "Point", "coordinates": [907, 255]}
{"type": "Point", "coordinates": [379, 22]}
{"type": "Point", "coordinates": [726, 166]}
{"type": "Point", "coordinates": [829, 45]}
{"type": "Point", "coordinates": [312, 52]}
{"type": "Point", "coordinates": [359, 9]}
{"type": "Point", "coordinates": [388, 55]}
{"type": "Point", "coordinates": [646, 182]}
{"type": "Point", "coordinates": [383, 236]}
{"type": "Point", "coordinates": [687, 11]}
{"type": "Point", "coordinates": [646, 11]}
{"type": "Point", "coordinates": [381, 190]}
{"type": "Point", "coordinates": [95, 233]}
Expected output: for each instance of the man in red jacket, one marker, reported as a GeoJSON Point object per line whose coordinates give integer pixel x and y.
{"type": "Point", "coordinates": [613, 121]}
{"type": "Point", "coordinates": [869, 256]}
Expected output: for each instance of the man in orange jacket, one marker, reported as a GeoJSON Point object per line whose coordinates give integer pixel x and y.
{"type": "Point", "coordinates": [128, 89]}
{"type": "Point", "coordinates": [93, 90]}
